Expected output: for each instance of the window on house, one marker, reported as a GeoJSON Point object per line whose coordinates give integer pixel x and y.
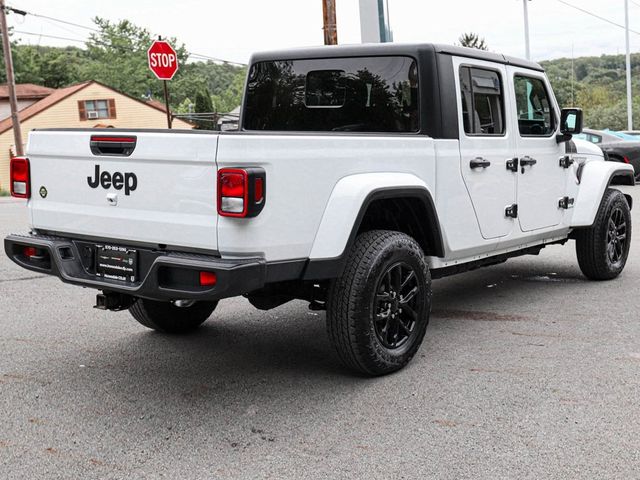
{"type": "Point", "coordinates": [482, 101]}
{"type": "Point", "coordinates": [96, 109]}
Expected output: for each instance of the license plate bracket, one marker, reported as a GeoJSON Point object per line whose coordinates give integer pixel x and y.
{"type": "Point", "coordinates": [114, 262]}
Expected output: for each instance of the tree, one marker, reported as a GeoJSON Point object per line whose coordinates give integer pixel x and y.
{"type": "Point", "coordinates": [117, 56]}
{"type": "Point", "coordinates": [231, 97]}
{"type": "Point", "coordinates": [204, 105]}
{"type": "Point", "coordinates": [472, 40]}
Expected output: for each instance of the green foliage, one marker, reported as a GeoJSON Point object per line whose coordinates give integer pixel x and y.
{"type": "Point", "coordinates": [598, 86]}
{"type": "Point", "coordinates": [472, 40]}
{"type": "Point", "coordinates": [117, 56]}
{"type": "Point", "coordinates": [231, 97]}
{"type": "Point", "coordinates": [204, 105]}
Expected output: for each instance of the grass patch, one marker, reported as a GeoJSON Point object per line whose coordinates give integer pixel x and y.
{"type": "Point", "coordinates": [4, 193]}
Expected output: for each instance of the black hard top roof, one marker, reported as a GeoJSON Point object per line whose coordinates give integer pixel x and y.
{"type": "Point", "coordinates": [382, 49]}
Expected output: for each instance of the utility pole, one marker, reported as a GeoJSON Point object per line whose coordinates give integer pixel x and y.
{"type": "Point", "coordinates": [329, 20]}
{"type": "Point", "coordinates": [374, 21]}
{"type": "Point", "coordinates": [629, 97]}
{"type": "Point", "coordinates": [527, 45]}
{"type": "Point", "coordinates": [573, 75]}
{"type": "Point", "coordinates": [11, 82]}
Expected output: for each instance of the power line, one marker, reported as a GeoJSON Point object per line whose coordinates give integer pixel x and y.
{"type": "Point", "coordinates": [24, 12]}
{"type": "Point", "coordinates": [22, 32]}
{"type": "Point", "coordinates": [214, 59]}
{"type": "Point", "coordinates": [597, 16]}
{"type": "Point", "coordinates": [57, 37]}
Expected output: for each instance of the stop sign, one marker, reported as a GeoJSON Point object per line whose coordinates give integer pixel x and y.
{"type": "Point", "coordinates": [163, 60]}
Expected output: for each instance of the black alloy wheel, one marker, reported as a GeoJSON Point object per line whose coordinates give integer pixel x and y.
{"type": "Point", "coordinates": [617, 237]}
{"type": "Point", "coordinates": [395, 305]}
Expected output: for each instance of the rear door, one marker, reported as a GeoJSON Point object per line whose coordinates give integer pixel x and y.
{"type": "Point", "coordinates": [542, 180]}
{"type": "Point", "coordinates": [150, 187]}
{"type": "Point", "coordinates": [486, 144]}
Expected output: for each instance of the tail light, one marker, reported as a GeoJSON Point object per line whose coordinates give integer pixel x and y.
{"type": "Point", "coordinates": [626, 159]}
{"type": "Point", "coordinates": [208, 279]}
{"type": "Point", "coordinates": [241, 191]}
{"type": "Point", "coordinates": [20, 177]}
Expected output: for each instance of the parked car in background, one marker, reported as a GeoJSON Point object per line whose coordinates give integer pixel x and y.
{"type": "Point", "coordinates": [618, 146]}
{"type": "Point", "coordinates": [633, 133]}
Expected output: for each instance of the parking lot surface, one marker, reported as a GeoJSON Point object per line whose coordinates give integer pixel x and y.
{"type": "Point", "coordinates": [528, 370]}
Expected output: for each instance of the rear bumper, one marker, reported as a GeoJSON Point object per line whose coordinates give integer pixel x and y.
{"type": "Point", "coordinates": [162, 275]}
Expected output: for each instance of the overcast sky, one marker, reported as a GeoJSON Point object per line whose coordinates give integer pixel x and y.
{"type": "Point", "coordinates": [232, 29]}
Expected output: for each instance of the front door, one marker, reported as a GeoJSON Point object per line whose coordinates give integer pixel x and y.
{"type": "Point", "coordinates": [541, 178]}
{"type": "Point", "coordinates": [486, 144]}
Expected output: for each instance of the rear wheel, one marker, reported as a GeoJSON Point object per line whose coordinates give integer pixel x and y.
{"type": "Point", "coordinates": [603, 248]}
{"type": "Point", "coordinates": [378, 310]}
{"type": "Point", "coordinates": [170, 317]}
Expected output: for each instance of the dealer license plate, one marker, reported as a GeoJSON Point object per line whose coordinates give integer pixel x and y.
{"type": "Point", "coordinates": [116, 263]}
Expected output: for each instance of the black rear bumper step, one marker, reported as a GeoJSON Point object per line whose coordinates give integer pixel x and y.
{"type": "Point", "coordinates": [163, 275]}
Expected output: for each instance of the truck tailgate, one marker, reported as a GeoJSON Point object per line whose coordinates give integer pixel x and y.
{"type": "Point", "coordinates": [163, 192]}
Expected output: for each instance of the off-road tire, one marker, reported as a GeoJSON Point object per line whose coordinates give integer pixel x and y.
{"type": "Point", "coordinates": [351, 303]}
{"type": "Point", "coordinates": [593, 243]}
{"type": "Point", "coordinates": [165, 317]}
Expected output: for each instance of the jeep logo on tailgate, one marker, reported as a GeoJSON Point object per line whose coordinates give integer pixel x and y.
{"type": "Point", "coordinates": [117, 180]}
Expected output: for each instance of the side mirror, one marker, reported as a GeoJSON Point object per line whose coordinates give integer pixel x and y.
{"type": "Point", "coordinates": [571, 121]}
{"type": "Point", "coordinates": [570, 124]}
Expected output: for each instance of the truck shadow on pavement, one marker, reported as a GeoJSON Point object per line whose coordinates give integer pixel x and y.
{"type": "Point", "coordinates": [245, 346]}
{"type": "Point", "coordinates": [246, 363]}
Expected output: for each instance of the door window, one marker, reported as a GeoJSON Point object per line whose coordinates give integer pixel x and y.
{"type": "Point", "coordinates": [535, 114]}
{"type": "Point", "coordinates": [482, 101]}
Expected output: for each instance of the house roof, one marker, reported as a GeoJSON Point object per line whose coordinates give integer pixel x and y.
{"type": "Point", "coordinates": [46, 102]}
{"type": "Point", "coordinates": [26, 91]}
{"type": "Point", "coordinates": [156, 104]}
{"type": "Point", "coordinates": [62, 93]}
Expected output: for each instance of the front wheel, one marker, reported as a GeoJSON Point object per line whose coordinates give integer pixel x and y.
{"type": "Point", "coordinates": [378, 310]}
{"type": "Point", "coordinates": [169, 317]}
{"type": "Point", "coordinates": [603, 248]}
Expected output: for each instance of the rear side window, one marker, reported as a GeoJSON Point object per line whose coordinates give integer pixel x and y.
{"type": "Point", "coordinates": [362, 94]}
{"type": "Point", "coordinates": [535, 115]}
{"type": "Point", "coordinates": [482, 101]}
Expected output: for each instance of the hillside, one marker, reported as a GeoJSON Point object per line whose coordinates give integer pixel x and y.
{"type": "Point", "coordinates": [599, 88]}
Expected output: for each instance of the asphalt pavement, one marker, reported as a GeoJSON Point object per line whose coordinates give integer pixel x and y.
{"type": "Point", "coordinates": [527, 371]}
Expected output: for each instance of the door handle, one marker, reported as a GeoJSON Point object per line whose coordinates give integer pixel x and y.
{"type": "Point", "coordinates": [524, 161]}
{"type": "Point", "coordinates": [479, 163]}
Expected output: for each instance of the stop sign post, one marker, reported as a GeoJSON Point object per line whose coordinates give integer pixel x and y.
{"type": "Point", "coordinates": [163, 62]}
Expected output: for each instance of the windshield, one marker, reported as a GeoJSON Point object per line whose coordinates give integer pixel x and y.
{"type": "Point", "coordinates": [360, 94]}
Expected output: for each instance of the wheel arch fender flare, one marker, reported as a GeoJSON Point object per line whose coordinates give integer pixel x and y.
{"type": "Point", "coordinates": [346, 209]}
{"type": "Point", "coordinates": [595, 177]}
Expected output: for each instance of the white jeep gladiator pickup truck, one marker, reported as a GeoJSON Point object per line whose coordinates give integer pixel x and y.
{"type": "Point", "coordinates": [359, 174]}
